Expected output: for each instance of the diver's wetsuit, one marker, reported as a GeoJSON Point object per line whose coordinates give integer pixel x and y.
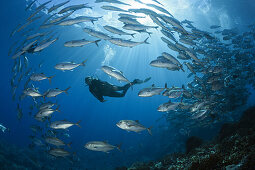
{"type": "Point", "coordinates": [102, 88]}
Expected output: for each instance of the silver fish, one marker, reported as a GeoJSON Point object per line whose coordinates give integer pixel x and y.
{"type": "Point", "coordinates": [55, 7]}
{"type": "Point", "coordinates": [80, 43]}
{"type": "Point", "coordinates": [151, 91]}
{"type": "Point", "coordinates": [113, 72]}
{"type": "Point", "coordinates": [74, 8]}
{"type": "Point", "coordinates": [39, 77]}
{"type": "Point", "coordinates": [68, 66]}
{"type": "Point", "coordinates": [166, 107]}
{"type": "Point", "coordinates": [100, 146]}
{"type": "Point", "coordinates": [117, 31]}
{"type": "Point", "coordinates": [55, 141]}
{"type": "Point", "coordinates": [63, 124]}
{"type": "Point", "coordinates": [55, 92]}
{"type": "Point", "coordinates": [97, 34]}
{"type": "Point", "coordinates": [45, 45]}
{"type": "Point", "coordinates": [112, 8]}
{"type": "Point", "coordinates": [127, 43]}
{"type": "Point", "coordinates": [130, 125]}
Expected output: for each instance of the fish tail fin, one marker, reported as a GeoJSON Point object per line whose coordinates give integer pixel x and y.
{"type": "Point", "coordinates": [69, 144]}
{"type": "Point", "coordinates": [119, 147]}
{"type": "Point", "coordinates": [57, 109]}
{"type": "Point", "coordinates": [149, 33]}
{"type": "Point", "coordinates": [149, 130]}
{"type": "Point", "coordinates": [67, 90]}
{"type": "Point", "coordinates": [133, 35]}
{"type": "Point", "coordinates": [156, 27]}
{"type": "Point", "coordinates": [83, 63]}
{"type": "Point", "coordinates": [92, 22]}
{"type": "Point", "coordinates": [78, 123]}
{"type": "Point", "coordinates": [165, 85]}
{"type": "Point", "coordinates": [147, 79]}
{"type": "Point", "coordinates": [181, 67]}
{"type": "Point", "coordinates": [96, 42]}
{"type": "Point", "coordinates": [50, 78]}
{"type": "Point", "coordinates": [145, 41]}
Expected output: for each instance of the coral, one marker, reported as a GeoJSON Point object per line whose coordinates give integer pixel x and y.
{"type": "Point", "coordinates": [233, 148]}
{"type": "Point", "coordinates": [192, 143]}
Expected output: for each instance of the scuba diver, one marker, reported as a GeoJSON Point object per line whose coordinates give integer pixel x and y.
{"type": "Point", "coordinates": [99, 88]}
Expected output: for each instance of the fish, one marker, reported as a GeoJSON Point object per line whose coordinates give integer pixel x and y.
{"type": "Point", "coordinates": [63, 124]}
{"type": "Point", "coordinates": [112, 1]}
{"type": "Point", "coordinates": [100, 146]}
{"type": "Point", "coordinates": [127, 20]}
{"type": "Point", "coordinates": [35, 128]}
{"type": "Point", "coordinates": [172, 93]}
{"type": "Point", "coordinates": [127, 43]}
{"type": "Point", "coordinates": [215, 26]}
{"type": "Point", "coordinates": [131, 125]}
{"type": "Point", "coordinates": [172, 59]}
{"type": "Point", "coordinates": [18, 54]}
{"type": "Point", "coordinates": [30, 5]}
{"type": "Point", "coordinates": [61, 18]}
{"type": "Point", "coordinates": [35, 35]}
{"type": "Point", "coordinates": [137, 27]}
{"type": "Point", "coordinates": [69, 65]}
{"type": "Point", "coordinates": [28, 46]}
{"type": "Point", "coordinates": [165, 63]}
{"type": "Point", "coordinates": [112, 8]}
{"type": "Point", "coordinates": [45, 45]}
{"type": "Point", "coordinates": [117, 31]}
{"type": "Point", "coordinates": [36, 141]}
{"type": "Point", "coordinates": [55, 92]}
{"type": "Point", "coordinates": [55, 141]}
{"type": "Point", "coordinates": [46, 112]}
{"type": "Point", "coordinates": [47, 105]}
{"type": "Point", "coordinates": [159, 9]}
{"type": "Point", "coordinates": [20, 113]}
{"type": "Point", "coordinates": [97, 34]}
{"type": "Point", "coordinates": [32, 92]}
{"type": "Point", "coordinates": [143, 11]}
{"type": "Point", "coordinates": [3, 128]}
{"type": "Point", "coordinates": [151, 91]}
{"type": "Point", "coordinates": [80, 43]}
{"type": "Point", "coordinates": [113, 72]}
{"type": "Point", "coordinates": [193, 56]}
{"type": "Point", "coordinates": [39, 77]}
{"type": "Point", "coordinates": [74, 8]}
{"type": "Point", "coordinates": [78, 20]}
{"type": "Point", "coordinates": [55, 7]}
{"type": "Point", "coordinates": [38, 9]}
{"type": "Point", "coordinates": [58, 152]}
{"type": "Point", "coordinates": [157, 2]}
{"type": "Point", "coordinates": [129, 16]}
{"type": "Point", "coordinates": [166, 107]}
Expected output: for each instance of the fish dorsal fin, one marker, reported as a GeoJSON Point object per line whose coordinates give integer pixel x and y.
{"type": "Point", "coordinates": [105, 141]}
{"type": "Point", "coordinates": [153, 85]}
{"type": "Point", "coordinates": [137, 121]}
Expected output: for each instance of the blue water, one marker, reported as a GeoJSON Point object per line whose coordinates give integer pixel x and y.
{"type": "Point", "coordinates": [98, 120]}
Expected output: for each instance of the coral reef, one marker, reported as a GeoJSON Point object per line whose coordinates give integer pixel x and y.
{"type": "Point", "coordinates": [233, 148]}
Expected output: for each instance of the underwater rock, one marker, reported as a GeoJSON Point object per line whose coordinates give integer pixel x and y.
{"type": "Point", "coordinates": [192, 143]}
{"type": "Point", "coordinates": [234, 148]}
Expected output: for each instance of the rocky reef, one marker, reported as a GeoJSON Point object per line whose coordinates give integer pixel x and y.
{"type": "Point", "coordinates": [233, 148]}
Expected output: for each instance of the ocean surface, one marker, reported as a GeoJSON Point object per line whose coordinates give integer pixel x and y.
{"type": "Point", "coordinates": [98, 119]}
